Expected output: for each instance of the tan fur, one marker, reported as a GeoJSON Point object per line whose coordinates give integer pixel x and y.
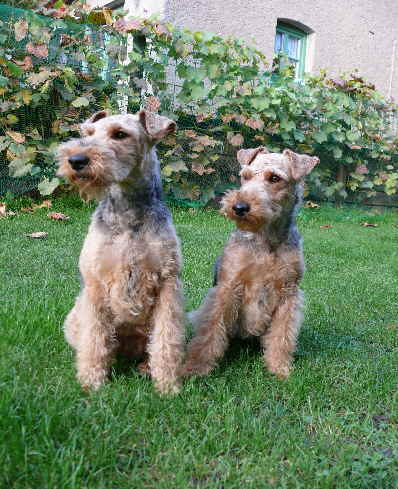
{"type": "Point", "coordinates": [257, 291]}
{"type": "Point", "coordinates": [131, 302]}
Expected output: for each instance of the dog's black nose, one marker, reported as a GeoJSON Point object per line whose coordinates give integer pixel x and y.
{"type": "Point", "coordinates": [78, 161]}
{"type": "Point", "coordinates": [241, 208]}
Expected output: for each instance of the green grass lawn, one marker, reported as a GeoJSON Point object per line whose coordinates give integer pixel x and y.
{"type": "Point", "coordinates": [332, 424]}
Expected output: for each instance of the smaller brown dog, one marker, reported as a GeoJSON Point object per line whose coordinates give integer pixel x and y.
{"type": "Point", "coordinates": [257, 277]}
{"type": "Point", "coordinates": [130, 301]}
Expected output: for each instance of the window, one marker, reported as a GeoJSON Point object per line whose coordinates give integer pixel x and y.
{"type": "Point", "coordinates": [290, 45]}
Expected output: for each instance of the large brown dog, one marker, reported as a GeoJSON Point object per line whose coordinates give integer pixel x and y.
{"type": "Point", "coordinates": [257, 278]}
{"type": "Point", "coordinates": [130, 263]}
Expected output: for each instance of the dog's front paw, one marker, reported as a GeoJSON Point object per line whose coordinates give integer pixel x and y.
{"type": "Point", "coordinates": [144, 368]}
{"type": "Point", "coordinates": [191, 369]}
{"type": "Point", "coordinates": [169, 388]}
{"type": "Point", "coordinates": [92, 379]}
{"type": "Point", "coordinates": [282, 371]}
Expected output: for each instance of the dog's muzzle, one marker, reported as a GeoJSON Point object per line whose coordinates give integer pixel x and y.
{"type": "Point", "coordinates": [241, 208]}
{"type": "Point", "coordinates": [78, 161]}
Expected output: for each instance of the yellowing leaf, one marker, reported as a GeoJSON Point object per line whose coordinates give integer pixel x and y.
{"type": "Point", "coordinates": [26, 64]}
{"type": "Point", "coordinates": [310, 205]}
{"type": "Point", "coordinates": [46, 204]}
{"type": "Point", "coordinates": [12, 119]}
{"type": "Point", "coordinates": [161, 30]}
{"type": "Point", "coordinates": [39, 50]}
{"type": "Point", "coordinates": [107, 16]}
{"type": "Point", "coordinates": [26, 96]}
{"type": "Point", "coordinates": [123, 25]}
{"type": "Point", "coordinates": [36, 79]}
{"type": "Point", "coordinates": [206, 141]}
{"type": "Point", "coordinates": [255, 123]}
{"type": "Point", "coordinates": [200, 169]}
{"type": "Point", "coordinates": [20, 30]}
{"type": "Point", "coordinates": [3, 211]}
{"type": "Point", "coordinates": [236, 140]}
{"type": "Point", "coordinates": [16, 136]}
{"type": "Point", "coordinates": [152, 104]}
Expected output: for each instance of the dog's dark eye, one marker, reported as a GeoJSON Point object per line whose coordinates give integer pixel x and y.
{"type": "Point", "coordinates": [274, 178]}
{"type": "Point", "coordinates": [120, 135]}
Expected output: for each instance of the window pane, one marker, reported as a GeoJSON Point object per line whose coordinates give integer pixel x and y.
{"type": "Point", "coordinates": [293, 47]}
{"type": "Point", "coordinates": [279, 42]}
{"type": "Point", "coordinates": [293, 62]}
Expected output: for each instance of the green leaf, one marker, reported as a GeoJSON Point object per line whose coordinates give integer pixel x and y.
{"type": "Point", "coordinates": [47, 187]}
{"type": "Point", "coordinates": [80, 102]}
{"type": "Point", "coordinates": [299, 135]}
{"type": "Point", "coordinates": [13, 68]}
{"type": "Point", "coordinates": [259, 103]}
{"type": "Point", "coordinates": [352, 136]}
{"type": "Point", "coordinates": [287, 124]}
{"type": "Point", "coordinates": [19, 167]}
{"type": "Point", "coordinates": [337, 152]}
{"type": "Point", "coordinates": [320, 137]}
{"type": "Point", "coordinates": [198, 91]}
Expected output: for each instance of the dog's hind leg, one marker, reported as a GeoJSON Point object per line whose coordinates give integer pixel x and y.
{"type": "Point", "coordinates": [214, 318]}
{"type": "Point", "coordinates": [72, 325]}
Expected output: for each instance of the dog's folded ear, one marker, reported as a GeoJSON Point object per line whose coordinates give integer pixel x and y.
{"type": "Point", "coordinates": [301, 165]}
{"type": "Point", "coordinates": [156, 126]}
{"type": "Point", "coordinates": [97, 116]}
{"type": "Point", "coordinates": [246, 156]}
{"type": "Point", "coordinates": [85, 128]}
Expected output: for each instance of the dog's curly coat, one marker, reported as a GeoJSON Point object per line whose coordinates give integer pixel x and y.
{"type": "Point", "coordinates": [256, 290]}
{"type": "Point", "coordinates": [130, 301]}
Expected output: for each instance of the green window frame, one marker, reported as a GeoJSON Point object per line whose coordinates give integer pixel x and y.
{"type": "Point", "coordinates": [291, 43]}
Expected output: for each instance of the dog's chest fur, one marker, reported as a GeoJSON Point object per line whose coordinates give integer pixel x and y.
{"type": "Point", "coordinates": [130, 268]}
{"type": "Point", "coordinates": [262, 278]}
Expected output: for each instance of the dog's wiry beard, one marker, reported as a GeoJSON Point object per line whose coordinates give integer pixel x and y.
{"type": "Point", "coordinates": [93, 180]}
{"type": "Point", "coordinates": [258, 217]}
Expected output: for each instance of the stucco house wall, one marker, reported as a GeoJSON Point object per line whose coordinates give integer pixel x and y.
{"type": "Point", "coordinates": [343, 35]}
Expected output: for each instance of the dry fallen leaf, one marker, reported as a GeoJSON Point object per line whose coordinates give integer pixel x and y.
{"type": "Point", "coordinates": [325, 226]}
{"type": "Point", "coordinates": [310, 205]}
{"type": "Point", "coordinates": [46, 204]}
{"type": "Point", "coordinates": [29, 210]}
{"type": "Point", "coordinates": [369, 225]}
{"type": "Point", "coordinates": [3, 211]}
{"type": "Point", "coordinates": [58, 216]}
{"type": "Point", "coordinates": [38, 235]}
{"type": "Point", "coordinates": [391, 326]}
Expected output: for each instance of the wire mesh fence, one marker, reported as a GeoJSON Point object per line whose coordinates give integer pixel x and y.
{"type": "Point", "coordinates": [220, 93]}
